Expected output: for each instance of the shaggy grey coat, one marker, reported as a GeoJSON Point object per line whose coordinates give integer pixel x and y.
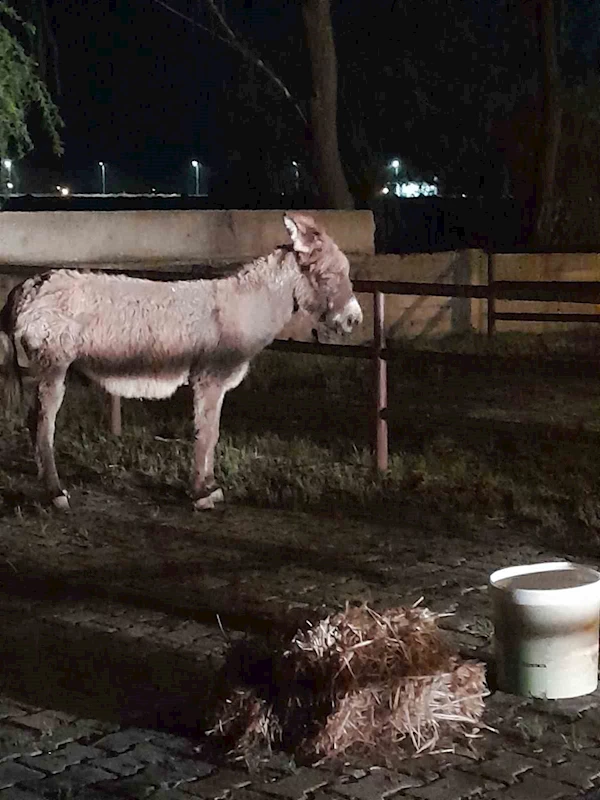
{"type": "Point", "coordinates": [143, 338]}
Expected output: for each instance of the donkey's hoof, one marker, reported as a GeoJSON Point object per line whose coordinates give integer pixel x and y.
{"type": "Point", "coordinates": [61, 502]}
{"type": "Point", "coordinates": [208, 502]}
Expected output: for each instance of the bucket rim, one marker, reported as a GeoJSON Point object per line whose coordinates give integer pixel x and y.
{"type": "Point", "coordinates": [593, 575]}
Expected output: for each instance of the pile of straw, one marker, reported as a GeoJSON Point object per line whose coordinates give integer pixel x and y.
{"type": "Point", "coordinates": [388, 683]}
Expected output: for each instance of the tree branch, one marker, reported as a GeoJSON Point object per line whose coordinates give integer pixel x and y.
{"type": "Point", "coordinates": [246, 51]}
{"type": "Point", "coordinates": [230, 38]}
{"type": "Point", "coordinates": [191, 21]}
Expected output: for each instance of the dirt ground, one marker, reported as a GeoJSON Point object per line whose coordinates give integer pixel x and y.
{"type": "Point", "coordinates": [136, 543]}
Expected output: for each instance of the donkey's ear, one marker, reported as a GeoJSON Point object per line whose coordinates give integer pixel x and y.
{"type": "Point", "coordinates": [303, 235]}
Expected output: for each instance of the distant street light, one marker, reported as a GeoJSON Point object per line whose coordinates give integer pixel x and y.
{"type": "Point", "coordinates": [395, 165]}
{"type": "Point", "coordinates": [64, 190]}
{"type": "Point", "coordinates": [102, 166]}
{"type": "Point", "coordinates": [196, 166]}
{"type": "Point", "coordinates": [7, 164]}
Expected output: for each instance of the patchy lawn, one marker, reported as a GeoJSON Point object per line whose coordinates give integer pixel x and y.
{"type": "Point", "coordinates": [470, 448]}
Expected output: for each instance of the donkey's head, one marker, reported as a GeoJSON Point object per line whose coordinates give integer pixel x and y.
{"type": "Point", "coordinates": [324, 290]}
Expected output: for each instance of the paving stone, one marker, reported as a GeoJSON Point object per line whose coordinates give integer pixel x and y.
{"type": "Point", "coordinates": [505, 767]}
{"type": "Point", "coordinates": [59, 760]}
{"type": "Point", "coordinates": [149, 753]}
{"type": "Point", "coordinates": [378, 784]}
{"type": "Point", "coordinates": [219, 785]}
{"type": "Point", "coordinates": [45, 721]}
{"type": "Point", "coordinates": [11, 773]}
{"type": "Point", "coordinates": [455, 785]}
{"type": "Point", "coordinates": [149, 779]}
{"type": "Point", "coordinates": [428, 768]}
{"type": "Point", "coordinates": [553, 750]}
{"type": "Point", "coordinates": [577, 771]}
{"type": "Point", "coordinates": [122, 740]}
{"type": "Point", "coordinates": [571, 708]}
{"type": "Point", "coordinates": [73, 780]}
{"type": "Point", "coordinates": [534, 788]}
{"type": "Point", "coordinates": [297, 785]}
{"type": "Point", "coordinates": [503, 702]}
{"type": "Point", "coordinates": [17, 794]}
{"type": "Point", "coordinates": [168, 794]}
{"type": "Point", "coordinates": [593, 794]}
{"type": "Point", "coordinates": [8, 709]}
{"type": "Point", "coordinates": [17, 742]}
{"type": "Point", "coordinates": [79, 729]}
{"type": "Point", "coordinates": [125, 764]}
{"type": "Point", "coordinates": [585, 729]}
{"type": "Point", "coordinates": [248, 794]}
{"type": "Point", "coordinates": [176, 744]}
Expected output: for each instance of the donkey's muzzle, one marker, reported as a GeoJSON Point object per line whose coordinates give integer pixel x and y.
{"type": "Point", "coordinates": [347, 320]}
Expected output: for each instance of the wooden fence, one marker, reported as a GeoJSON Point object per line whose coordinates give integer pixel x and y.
{"type": "Point", "coordinates": [378, 352]}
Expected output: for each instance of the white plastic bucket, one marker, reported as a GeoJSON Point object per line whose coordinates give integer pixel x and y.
{"type": "Point", "coordinates": [546, 619]}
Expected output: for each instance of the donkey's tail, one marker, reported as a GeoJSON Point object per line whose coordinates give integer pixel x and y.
{"type": "Point", "coordinates": [10, 369]}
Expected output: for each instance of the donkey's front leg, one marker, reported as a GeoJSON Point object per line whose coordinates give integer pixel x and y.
{"type": "Point", "coordinates": [42, 420]}
{"type": "Point", "coordinates": [208, 400]}
{"type": "Point", "coordinates": [209, 393]}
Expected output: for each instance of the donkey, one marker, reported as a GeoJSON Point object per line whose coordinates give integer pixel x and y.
{"type": "Point", "coordinates": [143, 338]}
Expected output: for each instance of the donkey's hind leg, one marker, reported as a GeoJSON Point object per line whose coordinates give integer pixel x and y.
{"type": "Point", "coordinates": [42, 421]}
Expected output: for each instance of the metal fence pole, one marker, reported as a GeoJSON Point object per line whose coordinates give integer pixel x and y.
{"type": "Point", "coordinates": [116, 426]}
{"type": "Point", "coordinates": [380, 434]}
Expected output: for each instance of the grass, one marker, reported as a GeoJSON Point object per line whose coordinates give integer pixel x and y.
{"type": "Point", "coordinates": [466, 449]}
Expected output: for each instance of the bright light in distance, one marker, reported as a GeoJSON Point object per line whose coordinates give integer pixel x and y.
{"type": "Point", "coordinates": [7, 163]}
{"type": "Point", "coordinates": [195, 163]}
{"type": "Point", "coordinates": [10, 185]}
{"type": "Point", "coordinates": [395, 163]}
{"type": "Point", "coordinates": [64, 191]}
{"type": "Point", "coordinates": [385, 190]}
{"type": "Point", "coordinates": [414, 189]}
{"type": "Point", "coordinates": [101, 163]}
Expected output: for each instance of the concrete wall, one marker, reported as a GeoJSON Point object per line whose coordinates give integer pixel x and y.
{"type": "Point", "coordinates": [171, 239]}
{"type": "Point", "coordinates": [161, 238]}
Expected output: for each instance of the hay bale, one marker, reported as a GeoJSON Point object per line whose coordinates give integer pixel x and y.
{"type": "Point", "coordinates": [387, 682]}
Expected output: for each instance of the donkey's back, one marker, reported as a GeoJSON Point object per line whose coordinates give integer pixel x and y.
{"type": "Point", "coordinates": [135, 337]}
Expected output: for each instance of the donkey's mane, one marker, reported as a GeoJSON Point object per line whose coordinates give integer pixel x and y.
{"type": "Point", "coordinates": [242, 270]}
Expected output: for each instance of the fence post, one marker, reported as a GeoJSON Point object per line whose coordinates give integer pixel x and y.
{"type": "Point", "coordinates": [115, 415]}
{"type": "Point", "coordinates": [380, 433]}
{"type": "Point", "coordinates": [491, 299]}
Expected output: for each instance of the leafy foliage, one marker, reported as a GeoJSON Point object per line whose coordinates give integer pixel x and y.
{"type": "Point", "coordinates": [22, 90]}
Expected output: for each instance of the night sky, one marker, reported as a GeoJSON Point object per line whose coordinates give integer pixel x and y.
{"type": "Point", "coordinates": [146, 92]}
{"type": "Point", "coordinates": [140, 88]}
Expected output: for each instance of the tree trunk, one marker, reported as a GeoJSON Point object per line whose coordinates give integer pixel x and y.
{"type": "Point", "coordinates": [551, 123]}
{"type": "Point", "coordinates": [329, 174]}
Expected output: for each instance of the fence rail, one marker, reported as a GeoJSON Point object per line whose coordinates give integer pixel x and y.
{"type": "Point", "coordinates": [587, 292]}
